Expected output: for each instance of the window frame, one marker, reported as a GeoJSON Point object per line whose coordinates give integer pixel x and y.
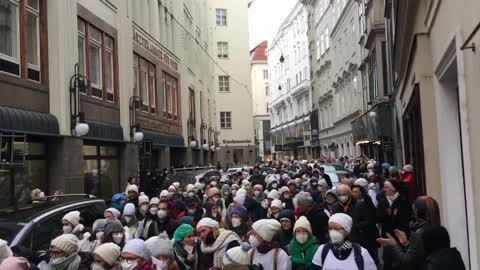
{"type": "Point", "coordinates": [223, 84]}
{"type": "Point", "coordinates": [222, 49]}
{"type": "Point", "coordinates": [221, 19]}
{"type": "Point", "coordinates": [170, 96]}
{"type": "Point", "coordinates": [150, 103]}
{"type": "Point", "coordinates": [224, 124]}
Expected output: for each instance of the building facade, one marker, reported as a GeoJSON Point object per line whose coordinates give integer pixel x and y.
{"type": "Point", "coordinates": [435, 63]}
{"type": "Point", "coordinates": [335, 57]}
{"type": "Point", "coordinates": [289, 98]}
{"type": "Point", "coordinates": [260, 88]}
{"type": "Point", "coordinates": [233, 94]}
{"type": "Point", "coordinates": [137, 66]}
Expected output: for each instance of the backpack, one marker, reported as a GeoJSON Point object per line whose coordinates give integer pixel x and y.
{"type": "Point", "coordinates": [357, 253]}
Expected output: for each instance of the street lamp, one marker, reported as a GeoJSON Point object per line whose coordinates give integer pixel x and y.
{"type": "Point", "coordinates": [372, 114]}
{"type": "Point", "coordinates": [78, 83]}
{"type": "Point", "coordinates": [135, 131]}
{"type": "Point", "coordinates": [203, 126]}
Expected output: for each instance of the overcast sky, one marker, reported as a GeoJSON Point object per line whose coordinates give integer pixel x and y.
{"type": "Point", "coordinates": [265, 16]}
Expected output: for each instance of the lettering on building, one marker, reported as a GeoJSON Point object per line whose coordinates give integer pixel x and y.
{"type": "Point", "coordinates": [236, 141]}
{"type": "Point", "coordinates": [160, 126]}
{"type": "Point", "coordinates": [144, 41]}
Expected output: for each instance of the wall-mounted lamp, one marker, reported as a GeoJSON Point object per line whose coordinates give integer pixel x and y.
{"type": "Point", "coordinates": [78, 83]}
{"type": "Point", "coordinates": [136, 133]}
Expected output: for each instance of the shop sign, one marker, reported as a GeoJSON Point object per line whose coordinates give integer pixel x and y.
{"type": "Point", "coordinates": [148, 44]}
{"type": "Point", "coordinates": [278, 147]}
{"type": "Point", "coordinates": [160, 126]}
{"type": "Point", "coordinates": [294, 140]}
{"type": "Point", "coordinates": [236, 141]}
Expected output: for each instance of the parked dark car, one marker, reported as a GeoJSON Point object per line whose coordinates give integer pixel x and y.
{"type": "Point", "coordinates": [31, 229]}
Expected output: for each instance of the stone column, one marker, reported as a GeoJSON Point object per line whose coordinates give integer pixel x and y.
{"type": "Point", "coordinates": [164, 158]}
{"type": "Point", "coordinates": [129, 163]}
{"type": "Point", "coordinates": [65, 165]}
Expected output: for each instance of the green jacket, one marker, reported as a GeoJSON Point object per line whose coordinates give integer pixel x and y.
{"type": "Point", "coordinates": [302, 255]}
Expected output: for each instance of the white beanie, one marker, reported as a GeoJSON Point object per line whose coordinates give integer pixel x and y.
{"type": "Point", "coordinates": [131, 188]}
{"type": "Point", "coordinates": [172, 188]}
{"type": "Point", "coordinates": [190, 187]}
{"type": "Point", "coordinates": [5, 251]}
{"type": "Point", "coordinates": [245, 183]}
{"type": "Point", "coordinates": [361, 182]}
{"type": "Point", "coordinates": [161, 246]}
{"type": "Point", "coordinates": [176, 185]}
{"type": "Point", "coordinates": [277, 203]}
{"type": "Point", "coordinates": [258, 186]}
{"type": "Point", "coordinates": [273, 194]}
{"type": "Point", "coordinates": [237, 255]}
{"type": "Point", "coordinates": [213, 191]}
{"type": "Point", "coordinates": [208, 222]}
{"type": "Point", "coordinates": [129, 209]}
{"type": "Point", "coordinates": [154, 201]}
{"type": "Point", "coordinates": [109, 252]}
{"type": "Point", "coordinates": [283, 190]}
{"type": "Point", "coordinates": [408, 168]}
{"type": "Point", "coordinates": [164, 193]}
{"type": "Point", "coordinates": [67, 243]}
{"type": "Point", "coordinates": [266, 228]}
{"type": "Point", "coordinates": [285, 176]}
{"type": "Point", "coordinates": [142, 198]}
{"type": "Point", "coordinates": [72, 217]}
{"type": "Point", "coordinates": [343, 220]}
{"type": "Point", "coordinates": [240, 196]}
{"type": "Point", "coordinates": [302, 222]}
{"type": "Point", "coordinates": [114, 212]}
{"type": "Point", "coordinates": [137, 247]}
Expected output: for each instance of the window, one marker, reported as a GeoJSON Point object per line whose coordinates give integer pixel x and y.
{"type": "Point", "coordinates": [223, 84]}
{"type": "Point", "coordinates": [191, 101]}
{"type": "Point", "coordinates": [372, 75]}
{"type": "Point", "coordinates": [322, 44]}
{"type": "Point", "coordinates": [101, 170]}
{"type": "Point", "coordinates": [327, 39]}
{"type": "Point", "coordinates": [226, 120]}
{"type": "Point", "coordinates": [95, 58]}
{"type": "Point", "coordinates": [319, 53]}
{"type": "Point", "coordinates": [20, 54]}
{"type": "Point", "coordinates": [170, 96]}
{"type": "Point", "coordinates": [266, 91]}
{"type": "Point", "coordinates": [265, 74]}
{"type": "Point", "coordinates": [222, 49]}
{"type": "Point", "coordinates": [221, 16]}
{"type": "Point", "coordinates": [144, 83]}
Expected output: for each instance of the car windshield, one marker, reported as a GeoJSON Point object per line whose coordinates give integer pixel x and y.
{"type": "Point", "coordinates": [329, 168]}
{"type": "Point", "coordinates": [8, 230]}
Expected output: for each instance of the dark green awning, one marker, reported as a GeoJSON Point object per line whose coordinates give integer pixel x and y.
{"type": "Point", "coordinates": [158, 138]}
{"type": "Point", "coordinates": [29, 122]}
{"type": "Point", "coordinates": [104, 132]}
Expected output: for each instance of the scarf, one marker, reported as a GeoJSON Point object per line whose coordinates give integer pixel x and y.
{"type": "Point", "coordinates": [181, 254]}
{"type": "Point", "coordinates": [342, 251]}
{"type": "Point", "coordinates": [302, 255]}
{"type": "Point", "coordinates": [391, 199]}
{"type": "Point", "coordinates": [218, 248]}
{"type": "Point", "coordinates": [71, 262]}
{"type": "Point", "coordinates": [265, 247]}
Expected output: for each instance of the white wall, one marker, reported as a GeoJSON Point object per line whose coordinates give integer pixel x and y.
{"type": "Point", "coordinates": [259, 88]}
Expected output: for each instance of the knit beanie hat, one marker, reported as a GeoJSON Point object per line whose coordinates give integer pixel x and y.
{"type": "Point", "coordinates": [154, 201]}
{"type": "Point", "coordinates": [186, 220]}
{"type": "Point", "coordinates": [164, 193]}
{"type": "Point", "coordinates": [240, 196]}
{"type": "Point", "coordinates": [273, 194]}
{"type": "Point", "coordinates": [176, 185]}
{"type": "Point", "coordinates": [208, 222]}
{"type": "Point", "coordinates": [142, 198]}
{"type": "Point", "coordinates": [304, 199]}
{"type": "Point", "coordinates": [225, 188]}
{"type": "Point", "coordinates": [283, 190]}
{"type": "Point", "coordinates": [182, 231]}
{"type": "Point", "coordinates": [129, 209]}
{"type": "Point", "coordinates": [213, 191]}
{"type": "Point", "coordinates": [408, 168]}
{"type": "Point", "coordinates": [277, 203]}
{"type": "Point", "coordinates": [15, 263]}
{"type": "Point", "coordinates": [237, 255]}
{"type": "Point", "coordinates": [114, 212]}
{"type": "Point", "coordinates": [109, 252]}
{"type": "Point", "coordinates": [393, 170]}
{"type": "Point", "coordinates": [113, 226]}
{"type": "Point", "coordinates": [258, 186]}
{"type": "Point", "coordinates": [99, 224]}
{"type": "Point", "coordinates": [72, 217]}
{"type": "Point", "coordinates": [162, 247]}
{"type": "Point", "coordinates": [332, 192]}
{"type": "Point", "coordinates": [67, 243]}
{"type": "Point", "coordinates": [266, 228]}
{"type": "Point", "coordinates": [361, 182]}
{"type": "Point", "coordinates": [322, 183]}
{"type": "Point", "coordinates": [131, 188]}
{"type": "Point", "coordinates": [137, 247]}
{"type": "Point", "coordinates": [190, 187]}
{"type": "Point", "coordinates": [287, 214]}
{"type": "Point", "coordinates": [5, 250]}
{"type": "Point", "coordinates": [239, 210]}
{"type": "Point", "coordinates": [172, 188]}
{"type": "Point", "coordinates": [343, 220]}
{"type": "Point", "coordinates": [302, 222]}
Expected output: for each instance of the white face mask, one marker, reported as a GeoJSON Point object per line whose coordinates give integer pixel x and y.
{"type": "Point", "coordinates": [153, 210]}
{"type": "Point", "coordinates": [127, 219]}
{"type": "Point", "coordinates": [234, 192]}
{"type": "Point", "coordinates": [129, 265]}
{"type": "Point", "coordinates": [286, 196]}
{"type": "Point", "coordinates": [191, 194]}
{"type": "Point", "coordinates": [343, 198]}
{"type": "Point", "coordinates": [274, 185]}
{"type": "Point", "coordinates": [335, 236]}
{"type": "Point", "coordinates": [171, 194]}
{"type": "Point", "coordinates": [276, 215]}
{"type": "Point", "coordinates": [253, 241]}
{"type": "Point", "coordinates": [159, 264]}
{"type": "Point", "coordinates": [97, 267]}
{"type": "Point", "coordinates": [117, 238]}
{"type": "Point", "coordinates": [188, 248]}
{"type": "Point", "coordinates": [67, 229]}
{"type": "Point", "coordinates": [56, 261]}
{"type": "Point", "coordinates": [99, 235]}
{"type": "Point", "coordinates": [161, 214]}
{"type": "Point", "coordinates": [301, 238]}
{"type": "Point", "coordinates": [144, 209]}
{"type": "Point", "coordinates": [236, 222]}
{"type": "Point", "coordinates": [256, 193]}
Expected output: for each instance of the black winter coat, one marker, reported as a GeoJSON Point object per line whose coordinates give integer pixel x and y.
{"type": "Point", "coordinates": [445, 259]}
{"type": "Point", "coordinates": [319, 222]}
{"type": "Point", "coordinates": [396, 216]}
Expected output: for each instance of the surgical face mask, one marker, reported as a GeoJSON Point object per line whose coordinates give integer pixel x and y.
{"type": "Point", "coordinates": [153, 210]}
{"type": "Point", "coordinates": [336, 237]}
{"type": "Point", "coordinates": [161, 214]}
{"type": "Point", "coordinates": [274, 185]}
{"type": "Point", "coordinates": [188, 248]}
{"type": "Point", "coordinates": [99, 235]}
{"type": "Point", "coordinates": [286, 196]}
{"type": "Point", "coordinates": [171, 194]}
{"type": "Point", "coordinates": [201, 185]}
{"type": "Point", "coordinates": [144, 209]}
{"type": "Point", "coordinates": [191, 194]}
{"type": "Point", "coordinates": [128, 219]}
{"type": "Point", "coordinates": [185, 194]}
{"type": "Point", "coordinates": [192, 211]}
{"type": "Point", "coordinates": [301, 238]}
{"type": "Point", "coordinates": [56, 261]}
{"type": "Point", "coordinates": [370, 170]}
{"type": "Point", "coordinates": [96, 266]}
{"type": "Point", "coordinates": [160, 264]}
{"type": "Point", "coordinates": [234, 192]}
{"type": "Point", "coordinates": [253, 241]}
{"type": "Point", "coordinates": [236, 222]}
{"type": "Point", "coordinates": [129, 264]}
{"type": "Point", "coordinates": [117, 237]}
{"type": "Point", "coordinates": [67, 229]}
{"type": "Point", "coordinates": [343, 198]}
{"type": "Point", "coordinates": [256, 193]}
{"type": "Point", "coordinates": [276, 215]}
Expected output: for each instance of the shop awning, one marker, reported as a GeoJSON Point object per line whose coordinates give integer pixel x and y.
{"type": "Point", "coordinates": [104, 132]}
{"type": "Point", "coordinates": [375, 125]}
{"type": "Point", "coordinates": [158, 138]}
{"type": "Point", "coordinates": [17, 120]}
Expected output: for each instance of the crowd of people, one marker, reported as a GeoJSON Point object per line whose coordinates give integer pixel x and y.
{"type": "Point", "coordinates": [276, 216]}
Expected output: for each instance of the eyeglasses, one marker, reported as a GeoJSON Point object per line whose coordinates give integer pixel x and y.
{"type": "Point", "coordinates": [57, 254]}
{"type": "Point", "coordinates": [163, 209]}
